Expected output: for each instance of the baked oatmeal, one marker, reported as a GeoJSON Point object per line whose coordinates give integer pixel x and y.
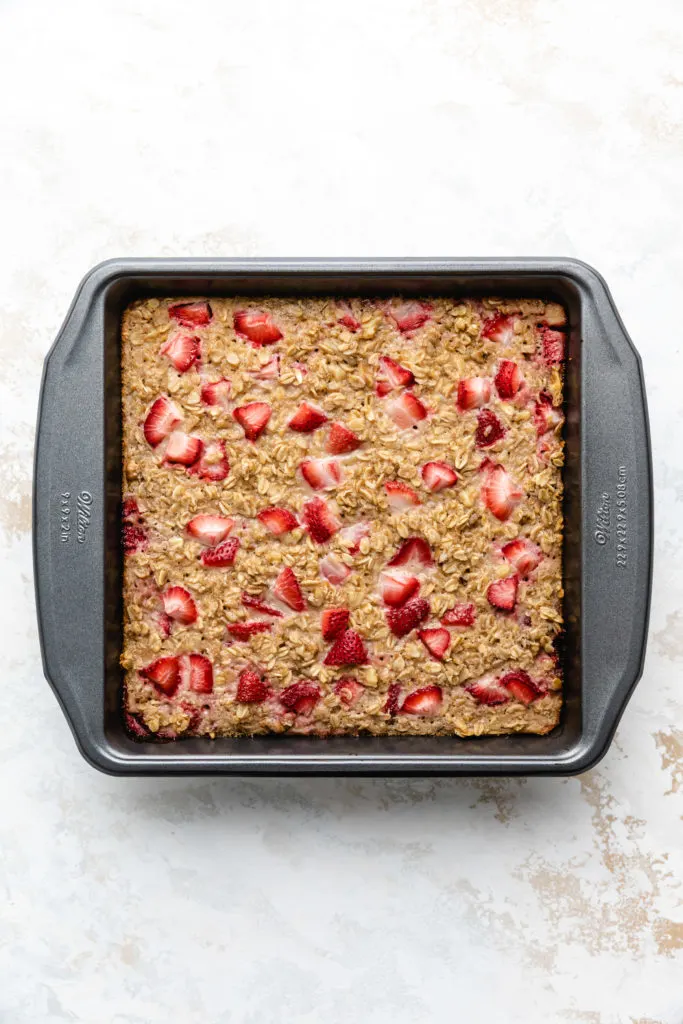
{"type": "Point", "coordinates": [342, 517]}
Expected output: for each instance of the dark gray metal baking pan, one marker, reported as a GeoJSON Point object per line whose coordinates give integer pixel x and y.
{"type": "Point", "coordinates": [608, 516]}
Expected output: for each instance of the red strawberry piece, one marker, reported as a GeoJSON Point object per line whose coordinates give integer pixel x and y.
{"type": "Point", "coordinates": [409, 316]}
{"type": "Point", "coordinates": [300, 697]}
{"type": "Point", "coordinates": [277, 520]}
{"type": "Point", "coordinates": [179, 606]}
{"type": "Point", "coordinates": [129, 509]}
{"type": "Point", "coordinates": [287, 589]}
{"type": "Point", "coordinates": [135, 726]}
{"type": "Point", "coordinates": [164, 624]}
{"type": "Point", "coordinates": [403, 620]}
{"type": "Point", "coordinates": [164, 673]}
{"type": "Point", "coordinates": [341, 440]}
{"type": "Point", "coordinates": [499, 327]}
{"type": "Point", "coordinates": [552, 345]}
{"type": "Point", "coordinates": [321, 474]}
{"type": "Point", "coordinates": [546, 415]}
{"type": "Point", "coordinates": [437, 641]}
{"type": "Point", "coordinates": [348, 649]}
{"type": "Point", "coordinates": [503, 593]}
{"type": "Point", "coordinates": [162, 417]}
{"type": "Point", "coordinates": [391, 376]}
{"type": "Point", "coordinates": [521, 686]}
{"type": "Point", "coordinates": [183, 449]}
{"type": "Point", "coordinates": [199, 673]}
{"type": "Point", "coordinates": [253, 418]}
{"type": "Point", "coordinates": [461, 614]}
{"type": "Point", "coordinates": [334, 570]}
{"type": "Point", "coordinates": [191, 314]}
{"type": "Point", "coordinates": [257, 327]}
{"type": "Point", "coordinates": [499, 493]}
{"type": "Point", "coordinates": [251, 687]}
{"type": "Point", "coordinates": [269, 370]}
{"type": "Point", "coordinates": [213, 463]}
{"type": "Point", "coordinates": [320, 522]}
{"type": "Point", "coordinates": [406, 410]}
{"type": "Point", "coordinates": [334, 621]}
{"type": "Point", "coordinates": [134, 538]}
{"type": "Point", "coordinates": [400, 496]}
{"type": "Point", "coordinates": [473, 392]}
{"type": "Point", "coordinates": [523, 554]}
{"type": "Point", "coordinates": [347, 319]}
{"type": "Point", "coordinates": [397, 588]}
{"type": "Point", "coordinates": [508, 379]}
{"type": "Point", "coordinates": [489, 429]}
{"type": "Point", "coordinates": [413, 551]}
{"type": "Point", "coordinates": [217, 392]}
{"type": "Point", "coordinates": [392, 703]}
{"type": "Point", "coordinates": [307, 418]}
{"type": "Point", "coordinates": [348, 691]}
{"type": "Point", "coordinates": [181, 349]}
{"type": "Point", "coordinates": [222, 556]}
{"type": "Point", "coordinates": [351, 536]}
{"type": "Point", "coordinates": [210, 529]}
{"type": "Point", "coordinates": [438, 475]}
{"type": "Point", "coordinates": [245, 630]}
{"type": "Point", "coordinates": [488, 690]}
{"type": "Point", "coordinates": [425, 701]}
{"type": "Point", "coordinates": [260, 605]}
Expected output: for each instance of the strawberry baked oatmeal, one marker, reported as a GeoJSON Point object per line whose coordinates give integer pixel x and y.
{"type": "Point", "coordinates": [342, 517]}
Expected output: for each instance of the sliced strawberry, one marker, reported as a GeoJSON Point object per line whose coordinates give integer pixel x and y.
{"type": "Point", "coordinates": [164, 673]}
{"type": "Point", "coordinates": [334, 570]}
{"type": "Point", "coordinates": [253, 418]}
{"type": "Point", "coordinates": [508, 379]}
{"type": "Point", "coordinates": [260, 606]}
{"type": "Point", "coordinates": [245, 630]}
{"type": "Point", "coordinates": [183, 449]}
{"type": "Point", "coordinates": [321, 474]}
{"type": "Point", "coordinates": [473, 392]}
{"type": "Point", "coordinates": [163, 623]}
{"type": "Point", "coordinates": [503, 593]}
{"type": "Point", "coordinates": [489, 429]}
{"type": "Point", "coordinates": [300, 697]}
{"type": "Point", "coordinates": [134, 538]}
{"type": "Point", "coordinates": [351, 536]}
{"type": "Point", "coordinates": [498, 492]}
{"type": "Point", "coordinates": [287, 589]}
{"type": "Point", "coordinates": [200, 673]}
{"type": "Point", "coordinates": [179, 606]}
{"type": "Point", "coordinates": [181, 349]}
{"type": "Point", "coordinates": [392, 703]}
{"type": "Point", "coordinates": [488, 690]}
{"type": "Point", "coordinates": [347, 319]}
{"type": "Point", "coordinates": [341, 440]}
{"type": "Point", "coordinates": [320, 522]}
{"type": "Point", "coordinates": [521, 686]}
{"type": "Point", "coordinates": [251, 687]}
{"type": "Point", "coordinates": [277, 520]}
{"type": "Point", "coordinates": [213, 463]}
{"type": "Point", "coordinates": [191, 314]}
{"type": "Point", "coordinates": [546, 416]}
{"type": "Point", "coordinates": [405, 619]}
{"type": "Point", "coordinates": [461, 614]}
{"type": "Point", "coordinates": [257, 327]}
{"type": "Point", "coordinates": [217, 392]}
{"type": "Point", "coordinates": [406, 410]}
{"type": "Point", "coordinates": [425, 701]}
{"type": "Point", "coordinates": [162, 417]}
{"type": "Point", "coordinates": [413, 551]}
{"type": "Point", "coordinates": [334, 621]}
{"type": "Point", "coordinates": [391, 376]}
{"type": "Point", "coordinates": [269, 370]}
{"type": "Point", "coordinates": [348, 691]}
{"type": "Point", "coordinates": [499, 327]}
{"type": "Point", "coordinates": [397, 588]}
{"type": "Point", "coordinates": [437, 641]}
{"type": "Point", "coordinates": [129, 509]}
{"type": "Point", "coordinates": [209, 529]}
{"type": "Point", "coordinates": [523, 554]}
{"type": "Point", "coordinates": [400, 496]}
{"type": "Point", "coordinates": [135, 726]}
{"type": "Point", "coordinates": [222, 556]}
{"type": "Point", "coordinates": [552, 345]}
{"type": "Point", "coordinates": [307, 418]}
{"type": "Point", "coordinates": [348, 649]}
{"type": "Point", "coordinates": [409, 316]}
{"type": "Point", "coordinates": [438, 475]}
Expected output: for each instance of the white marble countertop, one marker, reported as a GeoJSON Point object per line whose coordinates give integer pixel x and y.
{"type": "Point", "coordinates": [368, 127]}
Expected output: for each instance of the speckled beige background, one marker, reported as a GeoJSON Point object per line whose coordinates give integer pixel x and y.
{"type": "Point", "coordinates": [363, 127]}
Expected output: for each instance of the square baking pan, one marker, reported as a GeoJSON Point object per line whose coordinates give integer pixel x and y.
{"type": "Point", "coordinates": [607, 509]}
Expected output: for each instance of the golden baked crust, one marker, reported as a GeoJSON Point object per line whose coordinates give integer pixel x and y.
{"type": "Point", "coordinates": [336, 368]}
